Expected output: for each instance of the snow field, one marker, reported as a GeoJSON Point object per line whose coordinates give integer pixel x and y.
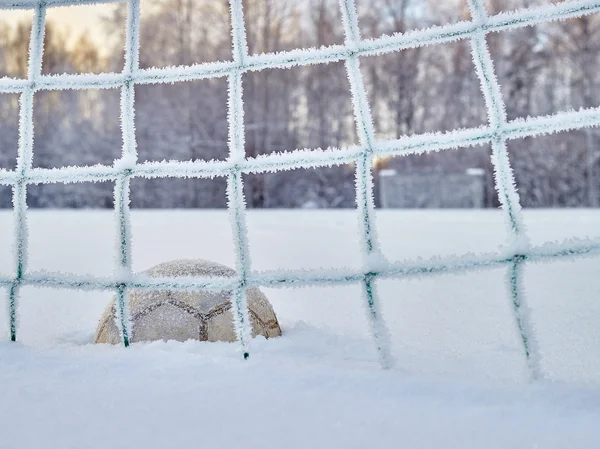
{"type": "Point", "coordinates": [460, 380]}
{"type": "Point", "coordinates": [496, 133]}
{"type": "Point", "coordinates": [459, 324]}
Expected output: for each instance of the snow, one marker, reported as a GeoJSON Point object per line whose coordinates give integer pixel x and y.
{"type": "Point", "coordinates": [191, 398]}
{"type": "Point", "coordinates": [460, 379]}
{"type": "Point", "coordinates": [475, 171]}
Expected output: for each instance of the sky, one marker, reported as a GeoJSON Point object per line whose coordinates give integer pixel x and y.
{"type": "Point", "coordinates": [77, 19]}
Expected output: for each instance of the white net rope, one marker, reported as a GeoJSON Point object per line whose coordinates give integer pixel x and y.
{"type": "Point", "coordinates": [497, 132]}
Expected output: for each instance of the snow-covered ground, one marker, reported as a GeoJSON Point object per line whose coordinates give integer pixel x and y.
{"type": "Point", "coordinates": [459, 381]}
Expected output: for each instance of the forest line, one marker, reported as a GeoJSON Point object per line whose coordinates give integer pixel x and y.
{"type": "Point", "coordinates": [542, 70]}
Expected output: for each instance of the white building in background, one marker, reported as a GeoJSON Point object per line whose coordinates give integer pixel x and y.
{"type": "Point", "coordinates": [432, 190]}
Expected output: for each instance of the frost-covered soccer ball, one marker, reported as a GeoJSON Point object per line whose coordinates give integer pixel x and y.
{"type": "Point", "coordinates": [180, 315]}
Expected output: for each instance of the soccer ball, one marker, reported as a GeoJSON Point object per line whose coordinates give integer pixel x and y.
{"type": "Point", "coordinates": [184, 315]}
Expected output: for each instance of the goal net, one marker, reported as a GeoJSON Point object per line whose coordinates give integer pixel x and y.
{"type": "Point", "coordinates": [517, 252]}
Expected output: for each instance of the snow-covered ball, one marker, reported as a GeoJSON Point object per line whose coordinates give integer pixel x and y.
{"type": "Point", "coordinates": [184, 315]}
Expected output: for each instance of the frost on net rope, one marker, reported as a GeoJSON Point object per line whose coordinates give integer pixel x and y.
{"type": "Point", "coordinates": [497, 132]}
